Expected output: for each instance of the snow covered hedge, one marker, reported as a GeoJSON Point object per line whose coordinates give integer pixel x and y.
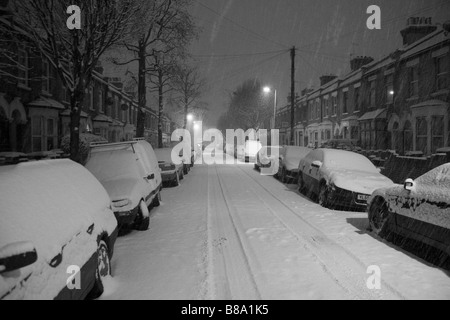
{"type": "Point", "coordinates": [85, 141]}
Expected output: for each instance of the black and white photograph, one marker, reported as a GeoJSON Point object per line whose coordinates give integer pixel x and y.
{"type": "Point", "coordinates": [225, 155]}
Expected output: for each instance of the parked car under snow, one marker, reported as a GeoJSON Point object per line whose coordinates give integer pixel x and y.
{"type": "Point", "coordinates": [289, 160]}
{"type": "Point", "coordinates": [419, 209]}
{"type": "Point", "coordinates": [171, 172]}
{"type": "Point", "coordinates": [130, 173]}
{"type": "Point", "coordinates": [54, 215]}
{"type": "Point", "coordinates": [340, 178]}
{"type": "Point", "coordinates": [265, 157]}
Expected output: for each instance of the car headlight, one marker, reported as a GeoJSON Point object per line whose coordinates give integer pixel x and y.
{"type": "Point", "coordinates": [121, 203]}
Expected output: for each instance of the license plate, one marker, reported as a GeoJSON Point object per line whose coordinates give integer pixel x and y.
{"type": "Point", "coordinates": [363, 197]}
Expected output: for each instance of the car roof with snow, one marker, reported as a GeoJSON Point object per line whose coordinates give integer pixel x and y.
{"type": "Point", "coordinates": [347, 160]}
{"type": "Point", "coordinates": [48, 202]}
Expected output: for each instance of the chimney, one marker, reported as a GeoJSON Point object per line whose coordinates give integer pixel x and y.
{"type": "Point", "coordinates": [358, 62]}
{"type": "Point", "coordinates": [327, 78]}
{"type": "Point", "coordinates": [416, 29]}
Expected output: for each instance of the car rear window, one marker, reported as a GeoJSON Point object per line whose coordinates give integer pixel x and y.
{"type": "Point", "coordinates": [348, 160]}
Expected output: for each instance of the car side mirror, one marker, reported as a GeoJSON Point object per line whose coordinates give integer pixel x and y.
{"type": "Point", "coordinates": [317, 164]}
{"type": "Point", "coordinates": [409, 185]}
{"type": "Point", "coordinates": [16, 256]}
{"type": "Point", "coordinates": [151, 176]}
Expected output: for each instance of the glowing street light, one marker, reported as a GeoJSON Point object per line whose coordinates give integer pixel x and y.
{"type": "Point", "coordinates": [268, 90]}
{"type": "Point", "coordinates": [190, 117]}
{"type": "Point", "coordinates": [196, 126]}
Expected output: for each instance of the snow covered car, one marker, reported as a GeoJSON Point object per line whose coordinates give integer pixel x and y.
{"type": "Point", "coordinates": [266, 156]}
{"type": "Point", "coordinates": [340, 178]}
{"type": "Point", "coordinates": [55, 222]}
{"type": "Point", "coordinates": [130, 173]}
{"type": "Point", "coordinates": [419, 209]}
{"type": "Point", "coordinates": [248, 151]}
{"type": "Point", "coordinates": [171, 172]}
{"type": "Point", "coordinates": [289, 159]}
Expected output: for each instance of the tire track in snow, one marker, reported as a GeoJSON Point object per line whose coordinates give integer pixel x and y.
{"type": "Point", "coordinates": [337, 262]}
{"type": "Point", "coordinates": [232, 271]}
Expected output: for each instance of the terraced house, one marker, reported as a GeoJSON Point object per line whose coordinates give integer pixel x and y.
{"type": "Point", "coordinates": [400, 102]}
{"type": "Point", "coordinates": [34, 106]}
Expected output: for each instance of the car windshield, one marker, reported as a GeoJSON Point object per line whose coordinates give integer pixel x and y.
{"type": "Point", "coordinates": [439, 176]}
{"type": "Point", "coordinates": [348, 160]}
{"type": "Point", "coordinates": [164, 155]}
{"type": "Point", "coordinates": [108, 165]}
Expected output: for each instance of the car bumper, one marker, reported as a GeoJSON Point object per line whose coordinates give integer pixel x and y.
{"type": "Point", "coordinates": [126, 218]}
{"type": "Point", "coordinates": [169, 175]}
{"type": "Point", "coordinates": [349, 200]}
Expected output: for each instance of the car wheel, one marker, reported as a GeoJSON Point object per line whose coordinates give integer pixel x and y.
{"type": "Point", "coordinates": [324, 196]}
{"type": "Point", "coordinates": [102, 272]}
{"type": "Point", "coordinates": [176, 182]}
{"type": "Point", "coordinates": [142, 222]}
{"type": "Point", "coordinates": [157, 200]}
{"type": "Point", "coordinates": [283, 178]}
{"type": "Point", "coordinates": [379, 218]}
{"type": "Point", "coordinates": [257, 168]}
{"type": "Point", "coordinates": [301, 183]}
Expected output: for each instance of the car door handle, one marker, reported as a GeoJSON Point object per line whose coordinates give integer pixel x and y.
{"type": "Point", "coordinates": [56, 261]}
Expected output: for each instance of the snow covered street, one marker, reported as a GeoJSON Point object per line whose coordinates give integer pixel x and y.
{"type": "Point", "coordinates": [229, 233]}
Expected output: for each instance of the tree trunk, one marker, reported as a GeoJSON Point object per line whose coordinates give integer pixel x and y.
{"type": "Point", "coordinates": [161, 108]}
{"type": "Point", "coordinates": [76, 101]}
{"type": "Point", "coordinates": [186, 112]}
{"type": "Point", "coordinates": [142, 92]}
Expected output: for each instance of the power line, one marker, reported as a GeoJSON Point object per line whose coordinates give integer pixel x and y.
{"type": "Point", "coordinates": [394, 19]}
{"type": "Point", "coordinates": [261, 37]}
{"type": "Point", "coordinates": [232, 74]}
{"type": "Point", "coordinates": [238, 55]}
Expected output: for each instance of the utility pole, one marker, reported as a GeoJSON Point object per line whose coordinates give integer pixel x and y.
{"type": "Point", "coordinates": [292, 95]}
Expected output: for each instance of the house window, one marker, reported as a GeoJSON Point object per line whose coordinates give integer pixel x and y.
{"type": "Point", "coordinates": [317, 109]}
{"type": "Point", "coordinates": [45, 76]}
{"type": "Point", "coordinates": [51, 136]}
{"type": "Point", "coordinates": [354, 133]}
{"type": "Point", "coordinates": [372, 95]}
{"type": "Point", "coordinates": [442, 73]}
{"type": "Point", "coordinates": [335, 106]}
{"type": "Point", "coordinates": [437, 133]}
{"type": "Point", "coordinates": [327, 107]}
{"type": "Point", "coordinates": [101, 101]}
{"type": "Point", "coordinates": [421, 134]}
{"type": "Point", "coordinates": [407, 137]}
{"type": "Point", "coordinates": [37, 133]}
{"type": "Point", "coordinates": [44, 134]}
{"type": "Point", "coordinates": [389, 89]}
{"type": "Point", "coordinates": [395, 137]}
{"type": "Point", "coordinates": [356, 99]}
{"type": "Point", "coordinates": [414, 81]}
{"type": "Point", "coordinates": [345, 102]}
{"type": "Point", "coordinates": [22, 65]}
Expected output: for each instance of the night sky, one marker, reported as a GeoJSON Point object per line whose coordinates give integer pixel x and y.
{"type": "Point", "coordinates": [244, 39]}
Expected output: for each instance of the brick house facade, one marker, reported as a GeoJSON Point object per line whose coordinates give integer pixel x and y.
{"type": "Point", "coordinates": [400, 102]}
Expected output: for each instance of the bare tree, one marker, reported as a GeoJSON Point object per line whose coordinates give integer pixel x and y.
{"type": "Point", "coordinates": [161, 78]}
{"type": "Point", "coordinates": [248, 109]}
{"type": "Point", "coordinates": [162, 26]}
{"type": "Point", "coordinates": [74, 53]}
{"type": "Point", "coordinates": [188, 86]}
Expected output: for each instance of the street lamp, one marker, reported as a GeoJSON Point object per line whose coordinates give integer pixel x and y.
{"type": "Point", "coordinates": [268, 90]}
{"type": "Point", "coordinates": [190, 117]}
